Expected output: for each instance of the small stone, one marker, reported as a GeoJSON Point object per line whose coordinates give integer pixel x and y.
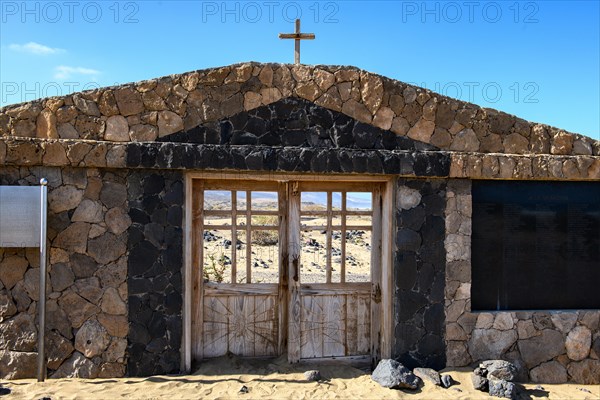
{"type": "Point", "coordinates": [55, 154]}
{"type": "Point", "coordinates": [64, 198]}
{"type": "Point", "coordinates": [465, 141]}
{"type": "Point", "coordinates": [7, 307]}
{"type": "Point", "coordinates": [116, 325]}
{"type": "Point", "coordinates": [117, 129]}
{"type": "Point", "coordinates": [61, 277]}
{"type": "Point", "coordinates": [544, 347]}
{"type": "Point", "coordinates": [24, 128]}
{"type": "Point", "coordinates": [499, 369]}
{"type": "Point", "coordinates": [82, 265]}
{"type": "Point", "coordinates": [582, 147]}
{"type": "Point", "coordinates": [12, 270]}
{"type": "Point", "coordinates": [18, 334]}
{"type": "Point", "coordinates": [78, 309]}
{"type": "Point", "coordinates": [578, 343]}
{"type": "Point", "coordinates": [117, 220]}
{"type": "Point", "coordinates": [596, 346]}
{"type": "Point", "coordinates": [428, 375]}
{"type": "Point", "coordinates": [515, 144]}
{"type": "Point", "coordinates": [77, 366]}
{"type": "Point", "coordinates": [503, 322]}
{"type": "Point", "coordinates": [422, 130]}
{"type": "Point", "coordinates": [111, 370]}
{"type": "Point", "coordinates": [116, 157]}
{"type": "Point", "coordinates": [243, 389]}
{"type": "Point", "coordinates": [17, 364]}
{"type": "Point", "coordinates": [77, 151]}
{"type": "Point", "coordinates": [252, 100]}
{"type": "Point", "coordinates": [46, 125]}
{"type": "Point", "coordinates": [107, 104]}
{"type": "Point", "coordinates": [106, 248]}
{"type": "Point", "coordinates": [87, 107]}
{"type": "Point", "coordinates": [485, 321]}
{"type": "Point", "coordinates": [486, 343]}
{"type": "Point", "coordinates": [112, 303]}
{"type": "Point", "coordinates": [312, 375]}
{"type": "Point", "coordinates": [143, 133]}
{"type": "Point", "coordinates": [91, 339]}
{"type": "Point", "coordinates": [391, 374]}
{"type": "Point", "coordinates": [357, 110]}
{"type": "Point", "coordinates": [383, 118]}
{"type": "Point", "coordinates": [129, 101]}
{"type": "Point", "coordinates": [500, 388]}
{"type": "Point", "coordinates": [562, 143]}
{"type": "Point", "coordinates": [309, 91]}
{"type": "Point", "coordinates": [479, 382]}
{"type": "Point", "coordinates": [551, 372]}
{"type": "Point", "coordinates": [115, 351]}
{"type": "Point", "coordinates": [564, 321]}
{"type": "Point", "coordinates": [585, 372]}
{"type": "Point", "coordinates": [58, 349]}
{"type": "Point", "coordinates": [74, 238]}
{"type": "Point", "coordinates": [113, 194]}
{"type": "Point", "coordinates": [56, 319]}
{"type": "Point", "coordinates": [90, 127]}
{"type": "Point", "coordinates": [324, 79]}
{"type": "Point", "coordinates": [447, 381]}
{"type": "Point", "coordinates": [408, 198]}
{"type": "Point", "coordinates": [153, 101]}
{"type": "Point", "coordinates": [525, 329]}
{"type": "Point", "coordinates": [88, 211]}
{"type": "Point", "coordinates": [266, 76]}
{"type": "Point", "coordinates": [168, 123]}
{"type": "Point", "coordinates": [371, 90]}
{"type": "Point", "coordinates": [89, 289]}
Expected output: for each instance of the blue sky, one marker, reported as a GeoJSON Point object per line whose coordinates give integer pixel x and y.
{"type": "Point", "coordinates": [538, 60]}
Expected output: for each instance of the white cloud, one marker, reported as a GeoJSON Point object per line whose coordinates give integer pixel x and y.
{"type": "Point", "coordinates": [35, 48]}
{"type": "Point", "coordinates": [65, 72]}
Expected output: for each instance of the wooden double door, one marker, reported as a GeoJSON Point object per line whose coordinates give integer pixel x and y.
{"type": "Point", "coordinates": [288, 267]}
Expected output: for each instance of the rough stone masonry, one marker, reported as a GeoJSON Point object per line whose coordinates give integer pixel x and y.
{"type": "Point", "coordinates": [115, 159]}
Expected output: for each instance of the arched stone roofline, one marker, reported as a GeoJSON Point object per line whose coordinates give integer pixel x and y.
{"type": "Point", "coordinates": [147, 110]}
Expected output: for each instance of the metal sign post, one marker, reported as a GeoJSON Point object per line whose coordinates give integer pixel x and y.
{"type": "Point", "coordinates": [23, 211]}
{"type": "Point", "coordinates": [41, 367]}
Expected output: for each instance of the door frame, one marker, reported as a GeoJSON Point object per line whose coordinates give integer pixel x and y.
{"type": "Point", "coordinates": [381, 323]}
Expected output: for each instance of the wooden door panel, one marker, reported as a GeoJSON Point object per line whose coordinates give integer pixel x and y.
{"type": "Point", "coordinates": [243, 324]}
{"type": "Point", "coordinates": [335, 324]}
{"type": "Point", "coordinates": [215, 328]}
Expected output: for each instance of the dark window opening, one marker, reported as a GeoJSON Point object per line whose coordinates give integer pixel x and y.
{"type": "Point", "coordinates": [535, 245]}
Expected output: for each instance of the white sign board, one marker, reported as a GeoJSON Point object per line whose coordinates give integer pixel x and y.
{"type": "Point", "coordinates": [20, 216]}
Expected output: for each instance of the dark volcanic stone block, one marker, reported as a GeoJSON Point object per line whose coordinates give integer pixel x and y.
{"type": "Point", "coordinates": [154, 271]}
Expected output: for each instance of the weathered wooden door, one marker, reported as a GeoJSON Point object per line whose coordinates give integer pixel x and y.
{"type": "Point", "coordinates": [288, 266]}
{"type": "Point", "coordinates": [333, 265]}
{"type": "Point", "coordinates": [238, 290]}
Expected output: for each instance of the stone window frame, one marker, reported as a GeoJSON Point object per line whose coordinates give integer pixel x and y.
{"type": "Point", "coordinates": [382, 282]}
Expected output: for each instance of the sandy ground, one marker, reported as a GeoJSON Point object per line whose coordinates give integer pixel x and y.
{"type": "Point", "coordinates": [223, 378]}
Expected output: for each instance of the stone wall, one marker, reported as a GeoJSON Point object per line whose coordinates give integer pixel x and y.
{"type": "Point", "coordinates": [87, 291]}
{"type": "Point", "coordinates": [547, 346]}
{"type": "Point", "coordinates": [115, 159]}
{"type": "Point", "coordinates": [148, 110]}
{"type": "Point", "coordinates": [154, 270]}
{"type": "Point", "coordinates": [419, 273]}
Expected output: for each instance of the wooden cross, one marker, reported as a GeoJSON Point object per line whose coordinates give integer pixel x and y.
{"type": "Point", "coordinates": [297, 36]}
